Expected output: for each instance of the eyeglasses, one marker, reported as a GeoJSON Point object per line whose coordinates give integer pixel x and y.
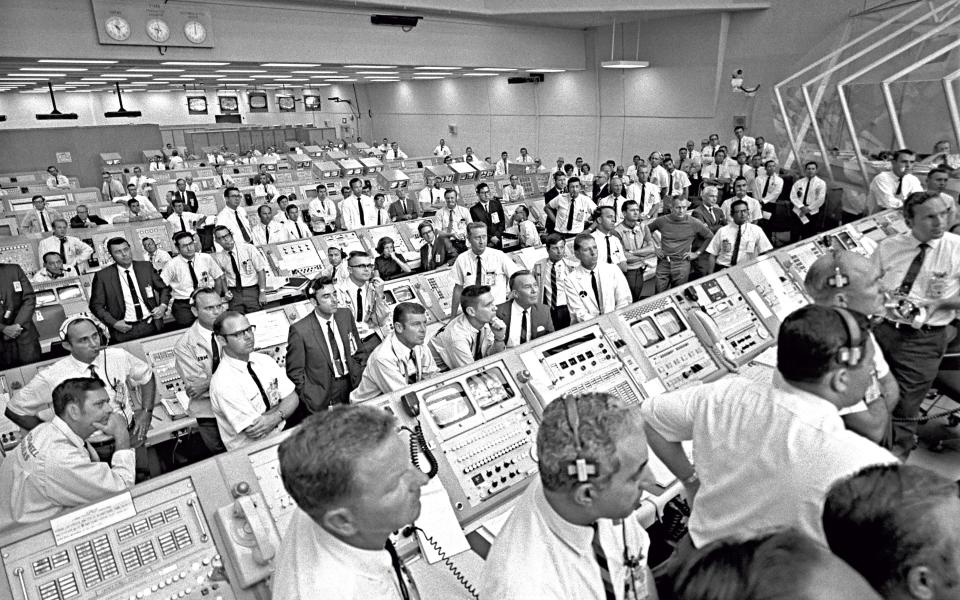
{"type": "Point", "coordinates": [243, 332]}
{"type": "Point", "coordinates": [362, 266]}
{"type": "Point", "coordinates": [225, 236]}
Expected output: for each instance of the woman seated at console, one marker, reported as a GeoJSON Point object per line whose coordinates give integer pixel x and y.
{"type": "Point", "coordinates": [389, 264]}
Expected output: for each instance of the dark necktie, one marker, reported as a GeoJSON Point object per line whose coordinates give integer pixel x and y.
{"type": "Point", "coordinates": [379, 212]}
{"type": "Point", "coordinates": [806, 191]}
{"type": "Point", "coordinates": [741, 170]}
{"type": "Point", "coordinates": [573, 202]}
{"type": "Point", "coordinates": [183, 226]}
{"type": "Point", "coordinates": [736, 247]}
{"type": "Point", "coordinates": [193, 274]}
{"type": "Point", "coordinates": [63, 250]}
{"type": "Point", "coordinates": [214, 353]}
{"type": "Point", "coordinates": [478, 345]}
{"type": "Point", "coordinates": [334, 350]}
{"type": "Point", "coordinates": [403, 208]}
{"type": "Point", "coordinates": [670, 185]}
{"type": "Point", "coordinates": [596, 289]}
{"type": "Point", "coordinates": [138, 309]}
{"type": "Point", "coordinates": [899, 186]}
{"type": "Point", "coordinates": [914, 270]}
{"type": "Point", "coordinates": [236, 270]}
{"type": "Point", "coordinates": [766, 186]}
{"type": "Point", "coordinates": [643, 195]}
{"type": "Point", "coordinates": [601, 557]}
{"type": "Point", "coordinates": [243, 230]}
{"type": "Point", "coordinates": [397, 569]}
{"type": "Point", "coordinates": [416, 368]}
{"type": "Point", "coordinates": [266, 233]}
{"type": "Point", "coordinates": [523, 327]}
{"type": "Point", "coordinates": [109, 190]}
{"type": "Point", "coordinates": [360, 210]}
{"type": "Point", "coordinates": [553, 285]}
{"type": "Point", "coordinates": [609, 253]}
{"type": "Point", "coordinates": [299, 232]}
{"type": "Point", "coordinates": [479, 278]}
{"type": "Point", "coordinates": [256, 380]}
{"type": "Point", "coordinates": [738, 147]}
{"type": "Point", "coordinates": [43, 221]}
{"type": "Point", "coordinates": [93, 373]}
{"type": "Point", "coordinates": [359, 305]}
{"type": "Point", "coordinates": [716, 174]}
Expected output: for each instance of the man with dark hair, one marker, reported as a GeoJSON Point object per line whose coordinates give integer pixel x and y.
{"type": "Point", "coordinates": [808, 195]}
{"type": "Point", "coordinates": [244, 272]}
{"type": "Point", "coordinates": [609, 245]}
{"type": "Point", "coordinates": [53, 469]}
{"type": "Point", "coordinates": [774, 468]}
{"type": "Point", "coordinates": [920, 269]}
{"type": "Point", "coordinates": [594, 288]}
{"type": "Point", "coordinates": [785, 565]}
{"type": "Point", "coordinates": [19, 339]}
{"type": "Point", "coordinates": [157, 257]}
{"type": "Point", "coordinates": [56, 181]}
{"type": "Point", "coordinates": [899, 526]}
{"type": "Point", "coordinates": [182, 220]}
{"type": "Point", "coordinates": [551, 273]}
{"type": "Point", "coordinates": [322, 211]}
{"type": "Point", "coordinates": [401, 359]}
{"type": "Point", "coordinates": [128, 296]}
{"type": "Point", "coordinates": [40, 219]}
{"type": "Point", "coordinates": [475, 333]}
{"type": "Point", "coordinates": [188, 196]}
{"type": "Point", "coordinates": [353, 483]}
{"type": "Point", "coordinates": [678, 231]}
{"type": "Point", "coordinates": [481, 265]}
{"type": "Point", "coordinates": [188, 271]}
{"type": "Point", "coordinates": [573, 532]}
{"type": "Point", "coordinates": [738, 241]}
{"type": "Point", "coordinates": [250, 394]}
{"type": "Point", "coordinates": [357, 210]}
{"type": "Point", "coordinates": [436, 251]}
{"type": "Point", "coordinates": [362, 293]}
{"type": "Point", "coordinates": [638, 246]}
{"type": "Point", "coordinates": [324, 358]}
{"type": "Point", "coordinates": [489, 211]}
{"type": "Point", "coordinates": [524, 316]}
{"type": "Point", "coordinates": [53, 269]}
{"type": "Point", "coordinates": [740, 186]}
{"type": "Point", "coordinates": [572, 210]}
{"type": "Point", "coordinates": [83, 219]}
{"type": "Point", "coordinates": [234, 216]}
{"type": "Point", "coordinates": [73, 252]}
{"type": "Point", "coordinates": [889, 189]}
{"type": "Point", "coordinates": [268, 230]}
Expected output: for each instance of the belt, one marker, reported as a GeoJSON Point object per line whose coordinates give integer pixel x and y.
{"type": "Point", "coordinates": [898, 325]}
{"type": "Point", "coordinates": [181, 300]}
{"type": "Point", "coordinates": [674, 258]}
{"type": "Point", "coordinates": [244, 287]}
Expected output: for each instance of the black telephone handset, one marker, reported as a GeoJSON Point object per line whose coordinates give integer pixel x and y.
{"type": "Point", "coordinates": [418, 443]}
{"type": "Point", "coordinates": [411, 404]}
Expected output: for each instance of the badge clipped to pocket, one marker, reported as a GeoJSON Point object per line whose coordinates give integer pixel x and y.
{"type": "Point", "coordinates": [495, 219]}
{"type": "Point", "coordinates": [936, 286]}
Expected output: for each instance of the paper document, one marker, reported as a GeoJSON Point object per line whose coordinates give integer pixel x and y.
{"type": "Point", "coordinates": [438, 521]}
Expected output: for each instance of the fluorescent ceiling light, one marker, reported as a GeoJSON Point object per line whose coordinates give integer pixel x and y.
{"type": "Point", "coordinates": [202, 76]}
{"type": "Point", "coordinates": [345, 80]}
{"type": "Point", "coordinates": [546, 70]}
{"type": "Point", "coordinates": [494, 69]}
{"type": "Point", "coordinates": [369, 66]}
{"type": "Point", "coordinates": [437, 68]}
{"type": "Point", "coordinates": [380, 73]}
{"type": "Point", "coordinates": [176, 79]}
{"type": "Point", "coordinates": [241, 70]}
{"type": "Point", "coordinates": [319, 85]}
{"type": "Point", "coordinates": [479, 74]}
{"type": "Point", "coordinates": [65, 69]}
{"type": "Point", "coordinates": [270, 76]}
{"type": "Point", "coordinates": [378, 79]}
{"type": "Point", "coordinates": [139, 75]}
{"type": "Point", "coordinates": [426, 77]}
{"type": "Point", "coordinates": [432, 73]}
{"type": "Point", "coordinates": [235, 79]}
{"type": "Point", "coordinates": [142, 70]}
{"type": "Point", "coordinates": [624, 64]}
{"type": "Point", "coordinates": [296, 79]}
{"type": "Point", "coordinates": [110, 77]}
{"type": "Point", "coordinates": [180, 63]}
{"type": "Point", "coordinates": [70, 61]}
{"type": "Point", "coordinates": [334, 77]}
{"type": "Point", "coordinates": [36, 75]}
{"type": "Point", "coordinates": [293, 65]}
{"type": "Point", "coordinates": [314, 72]}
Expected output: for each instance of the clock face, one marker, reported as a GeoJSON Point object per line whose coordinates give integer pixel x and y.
{"type": "Point", "coordinates": [195, 31]}
{"type": "Point", "coordinates": [118, 28]}
{"type": "Point", "coordinates": [158, 30]}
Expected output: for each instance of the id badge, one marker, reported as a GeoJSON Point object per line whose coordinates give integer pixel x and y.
{"type": "Point", "coordinates": [936, 286]}
{"type": "Point", "coordinates": [726, 246]}
{"type": "Point", "coordinates": [148, 292]}
{"type": "Point", "coordinates": [247, 267]}
{"type": "Point", "coordinates": [490, 278]}
{"type": "Point", "coordinates": [17, 287]}
{"type": "Point", "coordinates": [273, 392]}
{"type": "Point", "coordinates": [495, 219]}
{"type": "Point", "coordinates": [873, 392]}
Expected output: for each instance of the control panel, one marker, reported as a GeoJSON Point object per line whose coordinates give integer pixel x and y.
{"type": "Point", "coordinates": [298, 258]}
{"type": "Point", "coordinates": [441, 284]}
{"type": "Point", "coordinates": [23, 253]}
{"type": "Point", "coordinates": [799, 258]}
{"type": "Point", "coordinates": [156, 545]}
{"type": "Point", "coordinates": [160, 356]}
{"type": "Point", "coordinates": [661, 328]}
{"type": "Point", "coordinates": [779, 292]}
{"type": "Point", "coordinates": [732, 324]}
{"type": "Point", "coordinates": [9, 431]}
{"type": "Point", "coordinates": [348, 241]}
{"type": "Point", "coordinates": [410, 289]}
{"type": "Point", "coordinates": [273, 327]}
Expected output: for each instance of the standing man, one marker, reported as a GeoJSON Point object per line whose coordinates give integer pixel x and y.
{"type": "Point", "coordinates": [196, 356]}
{"type": "Point", "coordinates": [19, 340]}
{"type": "Point", "coordinates": [404, 208]}
{"type": "Point", "coordinates": [608, 240]}
{"type": "Point", "coordinates": [638, 246]}
{"type": "Point", "coordinates": [144, 184]}
{"type": "Point", "coordinates": [678, 184]}
{"type": "Point", "coordinates": [708, 211]}
{"type": "Point", "coordinates": [84, 220]}
{"type": "Point", "coordinates": [265, 190]}
{"type": "Point", "coordinates": [295, 227]}
{"type": "Point", "coordinates": [110, 188]}
{"type": "Point", "coordinates": [184, 221]}
{"type": "Point", "coordinates": [740, 187]}
{"type": "Point", "coordinates": [268, 230]}
{"type": "Point", "coordinates": [594, 288]}
{"type": "Point", "coordinates": [617, 197]}
{"type": "Point", "coordinates": [573, 533]}
{"type": "Point", "coordinates": [435, 251]}
{"type": "Point", "coordinates": [737, 242]}
{"type": "Point", "coordinates": [244, 272]}
{"type": "Point", "coordinates": [807, 196]}
{"type": "Point", "coordinates": [503, 165]}
{"type": "Point", "coordinates": [186, 272]}
{"type": "Point", "coordinates": [357, 210]}
{"type": "Point", "coordinates": [524, 316]}
{"type": "Point", "coordinates": [475, 333]}
{"type": "Point", "coordinates": [481, 266]}
{"type": "Point", "coordinates": [678, 231]}
{"type": "Point", "coordinates": [489, 211]}
{"type": "Point", "coordinates": [128, 296]}
{"type": "Point", "coordinates": [889, 188]}
{"type": "Point", "coordinates": [40, 219]}
{"type": "Point", "coordinates": [395, 153]}
{"type": "Point", "coordinates": [920, 267]}
{"type": "Point", "coordinates": [524, 158]}
{"type": "Point", "coordinates": [56, 181]}
{"type": "Point", "coordinates": [451, 222]}
{"type": "Point", "coordinates": [322, 211]}
{"type": "Point", "coordinates": [401, 359]}
{"type": "Point", "coordinates": [767, 187]}
{"type": "Point", "coordinates": [432, 195]}
{"type": "Point", "coordinates": [73, 252]}
{"type": "Point", "coordinates": [250, 394]}
{"type": "Point", "coordinates": [570, 211]}
{"type": "Point", "coordinates": [646, 194]}
{"type": "Point", "coordinates": [157, 257]}
{"type": "Point", "coordinates": [742, 143]}
{"type": "Point", "coordinates": [188, 196]}
{"type": "Point", "coordinates": [221, 180]}
{"type": "Point", "coordinates": [362, 294]}
{"type": "Point", "coordinates": [234, 217]}
{"type": "Point", "coordinates": [145, 203]}
{"type": "Point", "coordinates": [323, 352]}
{"type": "Point", "coordinates": [442, 149]}
{"type": "Point", "coordinates": [551, 274]}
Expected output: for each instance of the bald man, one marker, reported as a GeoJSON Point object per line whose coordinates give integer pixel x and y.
{"type": "Point", "coordinates": [849, 280]}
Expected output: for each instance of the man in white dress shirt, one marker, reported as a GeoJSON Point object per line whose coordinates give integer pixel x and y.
{"type": "Point", "coordinates": [741, 143]}
{"type": "Point", "coordinates": [889, 188]}
{"type": "Point", "coordinates": [481, 266]}
{"type": "Point", "coordinates": [432, 195]}
{"type": "Point", "coordinates": [220, 179]}
{"type": "Point", "coordinates": [608, 240]}
{"type": "Point", "coordinates": [524, 158]}
{"type": "Point", "coordinates": [296, 228]}
{"type": "Point", "coordinates": [73, 252]}
{"type": "Point", "coordinates": [53, 269]}
{"type": "Point", "coordinates": [551, 272]}
{"type": "Point", "coordinates": [250, 394]}
{"type": "Point", "coordinates": [452, 220]}
{"type": "Point", "coordinates": [503, 165]}
{"type": "Point", "coordinates": [56, 181]}
{"type": "Point", "coordinates": [775, 468]}
{"type": "Point", "coordinates": [573, 533]}
{"type": "Point", "coordinates": [234, 217]}
{"type": "Point", "coordinates": [473, 334]}
{"type": "Point", "coordinates": [268, 230]}
{"type": "Point", "coordinates": [442, 149]}
{"type": "Point", "coordinates": [395, 153]}
{"type": "Point", "coordinates": [244, 272]}
{"type": "Point", "coordinates": [146, 206]}
{"type": "Point", "coordinates": [572, 210]}
{"type": "Point", "coordinates": [183, 220]}
{"type": "Point", "coordinates": [646, 194]}
{"type": "Point", "coordinates": [808, 195]}
{"type": "Point", "coordinates": [764, 150]}
{"type": "Point", "coordinates": [362, 294]}
{"type": "Point", "coordinates": [158, 257]}
{"type": "Point", "coordinates": [188, 271]}
{"type": "Point", "coordinates": [677, 183]}
{"type": "Point", "coordinates": [54, 468]}
{"type": "Point", "coordinates": [323, 212]}
{"type": "Point", "coordinates": [594, 288]}
{"type": "Point", "coordinates": [401, 359]}
{"type": "Point", "coordinates": [357, 210]}
{"type": "Point", "coordinates": [740, 187]}
{"type": "Point", "coordinates": [767, 186]}
{"type": "Point", "coordinates": [351, 477]}
{"type": "Point", "coordinates": [738, 241]}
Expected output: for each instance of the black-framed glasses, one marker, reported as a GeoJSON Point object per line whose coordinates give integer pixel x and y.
{"type": "Point", "coordinates": [362, 266]}
{"type": "Point", "coordinates": [243, 332]}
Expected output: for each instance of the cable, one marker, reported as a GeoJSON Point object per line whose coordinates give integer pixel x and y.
{"type": "Point", "coordinates": [927, 417]}
{"type": "Point", "coordinates": [418, 446]}
{"type": "Point", "coordinates": [461, 579]}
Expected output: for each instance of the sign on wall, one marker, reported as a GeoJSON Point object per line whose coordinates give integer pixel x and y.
{"type": "Point", "coordinates": [64, 157]}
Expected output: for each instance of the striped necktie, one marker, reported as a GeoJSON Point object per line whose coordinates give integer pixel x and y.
{"type": "Point", "coordinates": [601, 557]}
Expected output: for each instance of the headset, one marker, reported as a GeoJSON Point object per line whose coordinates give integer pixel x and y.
{"type": "Point", "coordinates": [104, 332]}
{"type": "Point", "coordinates": [852, 354]}
{"type": "Point", "coordinates": [579, 467]}
{"type": "Point", "coordinates": [839, 279]}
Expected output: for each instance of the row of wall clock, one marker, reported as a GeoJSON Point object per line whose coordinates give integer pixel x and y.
{"type": "Point", "coordinates": [158, 30]}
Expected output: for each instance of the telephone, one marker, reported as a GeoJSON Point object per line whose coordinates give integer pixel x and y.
{"type": "Point", "coordinates": [707, 330]}
{"type": "Point", "coordinates": [176, 407]}
{"type": "Point", "coordinates": [251, 537]}
{"type": "Point", "coordinates": [418, 443]}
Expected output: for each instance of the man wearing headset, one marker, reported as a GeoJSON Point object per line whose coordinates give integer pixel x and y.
{"type": "Point", "coordinates": [86, 341]}
{"type": "Point", "coordinates": [573, 534]}
{"type": "Point", "coordinates": [53, 469]}
{"type": "Point", "coordinates": [766, 455]}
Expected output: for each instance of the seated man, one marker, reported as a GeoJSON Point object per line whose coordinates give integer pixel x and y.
{"type": "Point", "coordinates": [401, 359]}
{"type": "Point", "coordinates": [269, 230]}
{"type": "Point", "coordinates": [786, 565]}
{"type": "Point", "coordinates": [157, 257]}
{"type": "Point", "coordinates": [83, 219]}
{"type": "Point", "coordinates": [435, 251]}
{"type": "Point", "coordinates": [53, 469]}
{"type": "Point", "coordinates": [351, 477]}
{"type": "Point", "coordinates": [524, 317]}
{"type": "Point", "coordinates": [56, 181]}
{"type": "Point", "coordinates": [53, 268]}
{"type": "Point", "coordinates": [899, 526]}
{"type": "Point", "coordinates": [594, 288]}
{"type": "Point", "coordinates": [573, 534]}
{"type": "Point", "coordinates": [73, 252]}
{"type": "Point", "coordinates": [471, 335]}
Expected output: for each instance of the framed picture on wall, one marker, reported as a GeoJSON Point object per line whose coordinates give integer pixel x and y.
{"type": "Point", "coordinates": [257, 101]}
{"type": "Point", "coordinates": [311, 102]}
{"type": "Point", "coordinates": [229, 104]}
{"type": "Point", "coordinates": [197, 105]}
{"type": "Point", "coordinates": [286, 103]}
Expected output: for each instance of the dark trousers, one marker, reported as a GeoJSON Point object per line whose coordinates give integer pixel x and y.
{"type": "Point", "coordinates": [22, 350]}
{"type": "Point", "coordinates": [914, 357]}
{"type": "Point", "coordinates": [800, 231]}
{"type": "Point", "coordinates": [337, 393]}
{"type": "Point", "coordinates": [635, 281]}
{"type": "Point", "coordinates": [846, 217]}
{"type": "Point", "coordinates": [560, 315]}
{"type": "Point", "coordinates": [141, 329]}
{"type": "Point", "coordinates": [672, 272]}
{"type": "Point", "coordinates": [210, 434]}
{"type": "Point", "coordinates": [182, 314]}
{"type": "Point", "coordinates": [245, 299]}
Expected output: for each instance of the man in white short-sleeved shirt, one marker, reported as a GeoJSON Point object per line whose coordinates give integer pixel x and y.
{"type": "Point", "coordinates": [738, 241]}
{"type": "Point", "coordinates": [594, 288]}
{"type": "Point", "coordinates": [889, 188]}
{"type": "Point", "coordinates": [572, 210]}
{"type": "Point", "coordinates": [481, 265]}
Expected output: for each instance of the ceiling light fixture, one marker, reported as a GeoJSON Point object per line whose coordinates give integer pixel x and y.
{"type": "Point", "coordinates": [116, 114]}
{"type": "Point", "coordinates": [369, 66]}
{"type": "Point", "coordinates": [36, 75]}
{"type": "Point", "coordinates": [437, 68]}
{"type": "Point", "coordinates": [54, 114]}
{"type": "Point", "coordinates": [421, 77]}
{"type": "Point", "coordinates": [623, 64]}
{"type": "Point", "coordinates": [546, 70]}
{"type": "Point", "coordinates": [64, 69]}
{"type": "Point", "coordinates": [180, 63]}
{"type": "Point", "coordinates": [241, 70]}
{"type": "Point", "coordinates": [479, 74]}
{"type": "Point", "coordinates": [314, 72]}
{"type": "Point", "coordinates": [292, 65]}
{"type": "Point", "coordinates": [142, 70]}
{"type": "Point", "coordinates": [71, 61]}
{"type": "Point", "coordinates": [494, 69]}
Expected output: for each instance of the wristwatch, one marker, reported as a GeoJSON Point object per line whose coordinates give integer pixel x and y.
{"type": "Point", "coordinates": [283, 417]}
